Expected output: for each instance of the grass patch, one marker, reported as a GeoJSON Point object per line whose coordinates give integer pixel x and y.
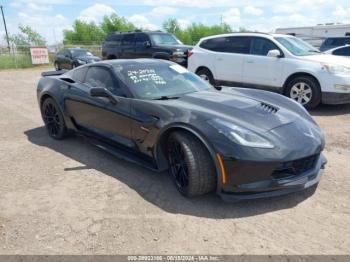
{"type": "Point", "coordinates": [17, 61]}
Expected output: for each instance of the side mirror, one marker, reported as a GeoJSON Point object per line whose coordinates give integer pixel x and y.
{"type": "Point", "coordinates": [147, 44]}
{"type": "Point", "coordinates": [219, 88]}
{"type": "Point", "coordinates": [103, 92]}
{"type": "Point", "coordinates": [274, 53]}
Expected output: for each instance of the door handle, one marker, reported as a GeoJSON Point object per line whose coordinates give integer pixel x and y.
{"type": "Point", "coordinates": [250, 61]}
{"type": "Point", "coordinates": [219, 58]}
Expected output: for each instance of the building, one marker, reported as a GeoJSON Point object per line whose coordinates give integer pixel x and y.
{"type": "Point", "coordinates": [316, 34]}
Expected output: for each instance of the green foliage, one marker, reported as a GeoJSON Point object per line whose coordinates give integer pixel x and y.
{"type": "Point", "coordinates": [26, 37]}
{"type": "Point", "coordinates": [115, 23]}
{"type": "Point", "coordinates": [92, 33]}
{"type": "Point", "coordinates": [195, 31]}
{"type": "Point", "coordinates": [84, 33]}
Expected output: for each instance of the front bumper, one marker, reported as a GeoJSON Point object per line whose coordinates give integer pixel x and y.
{"type": "Point", "coordinates": [274, 187]}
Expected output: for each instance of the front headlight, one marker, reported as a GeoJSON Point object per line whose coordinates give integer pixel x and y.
{"type": "Point", "coordinates": [336, 69]}
{"type": "Point", "coordinates": [239, 134]}
{"type": "Point", "coordinates": [81, 61]}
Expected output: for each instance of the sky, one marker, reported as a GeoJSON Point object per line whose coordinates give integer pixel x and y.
{"type": "Point", "coordinates": [51, 17]}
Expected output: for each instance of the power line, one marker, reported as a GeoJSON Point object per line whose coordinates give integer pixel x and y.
{"type": "Point", "coordinates": [7, 35]}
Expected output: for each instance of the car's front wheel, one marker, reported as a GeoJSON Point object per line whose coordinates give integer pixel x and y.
{"type": "Point", "coordinates": [190, 165]}
{"type": "Point", "coordinates": [305, 90]}
{"type": "Point", "coordinates": [53, 119]}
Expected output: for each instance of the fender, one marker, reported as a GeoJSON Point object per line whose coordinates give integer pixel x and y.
{"type": "Point", "coordinates": [160, 157]}
{"type": "Point", "coordinates": [161, 55]}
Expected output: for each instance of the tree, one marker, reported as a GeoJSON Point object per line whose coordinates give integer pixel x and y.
{"type": "Point", "coordinates": [195, 31]}
{"type": "Point", "coordinates": [26, 37]}
{"type": "Point", "coordinates": [84, 33]}
{"type": "Point", "coordinates": [115, 23]}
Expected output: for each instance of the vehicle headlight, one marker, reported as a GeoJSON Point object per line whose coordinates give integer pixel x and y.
{"type": "Point", "coordinates": [81, 61]}
{"type": "Point", "coordinates": [336, 69]}
{"type": "Point", "coordinates": [239, 134]}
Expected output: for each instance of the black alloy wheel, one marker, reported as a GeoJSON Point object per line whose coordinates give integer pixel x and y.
{"type": "Point", "coordinates": [53, 119]}
{"type": "Point", "coordinates": [190, 165]}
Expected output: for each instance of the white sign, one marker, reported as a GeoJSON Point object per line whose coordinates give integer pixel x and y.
{"type": "Point", "coordinates": [39, 55]}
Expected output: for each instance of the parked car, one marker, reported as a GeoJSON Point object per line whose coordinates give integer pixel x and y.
{"type": "Point", "coordinates": [333, 42]}
{"type": "Point", "coordinates": [70, 58]}
{"type": "Point", "coordinates": [274, 62]}
{"type": "Point", "coordinates": [341, 51]}
{"type": "Point", "coordinates": [151, 44]}
{"type": "Point", "coordinates": [241, 143]}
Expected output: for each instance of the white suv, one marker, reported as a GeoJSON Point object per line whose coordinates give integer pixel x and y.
{"type": "Point", "coordinates": [274, 62]}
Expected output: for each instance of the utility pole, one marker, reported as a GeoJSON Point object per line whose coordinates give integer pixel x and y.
{"type": "Point", "coordinates": [7, 35]}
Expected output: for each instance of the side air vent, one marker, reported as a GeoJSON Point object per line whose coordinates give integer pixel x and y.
{"type": "Point", "coordinates": [268, 108]}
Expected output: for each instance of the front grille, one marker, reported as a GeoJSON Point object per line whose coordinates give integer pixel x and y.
{"type": "Point", "coordinates": [296, 167]}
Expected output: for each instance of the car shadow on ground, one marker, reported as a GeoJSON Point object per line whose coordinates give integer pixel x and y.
{"type": "Point", "coordinates": [331, 110]}
{"type": "Point", "coordinates": [158, 188]}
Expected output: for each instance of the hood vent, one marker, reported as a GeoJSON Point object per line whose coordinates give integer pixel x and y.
{"type": "Point", "coordinates": [268, 108]}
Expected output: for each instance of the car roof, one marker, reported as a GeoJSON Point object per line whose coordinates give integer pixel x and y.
{"type": "Point", "coordinates": [261, 34]}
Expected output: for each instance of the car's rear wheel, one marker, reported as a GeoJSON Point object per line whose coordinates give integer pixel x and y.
{"type": "Point", "coordinates": [305, 90]}
{"type": "Point", "coordinates": [206, 75]}
{"type": "Point", "coordinates": [53, 119]}
{"type": "Point", "coordinates": [190, 165]}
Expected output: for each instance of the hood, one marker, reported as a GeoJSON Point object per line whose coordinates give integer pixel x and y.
{"type": "Point", "coordinates": [327, 58]}
{"type": "Point", "coordinates": [88, 58]}
{"type": "Point", "coordinates": [245, 110]}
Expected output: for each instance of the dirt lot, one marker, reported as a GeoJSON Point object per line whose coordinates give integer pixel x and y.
{"type": "Point", "coordinates": [71, 198]}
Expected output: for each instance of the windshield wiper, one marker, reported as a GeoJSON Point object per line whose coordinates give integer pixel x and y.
{"type": "Point", "coordinates": [315, 51]}
{"type": "Point", "coordinates": [166, 98]}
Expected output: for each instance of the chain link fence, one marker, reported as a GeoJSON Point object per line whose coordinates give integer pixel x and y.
{"type": "Point", "coordinates": [19, 56]}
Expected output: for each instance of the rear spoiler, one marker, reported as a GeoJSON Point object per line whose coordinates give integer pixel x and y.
{"type": "Point", "coordinates": [53, 73]}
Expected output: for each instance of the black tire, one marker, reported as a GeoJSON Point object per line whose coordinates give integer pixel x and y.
{"type": "Point", "coordinates": [53, 119]}
{"type": "Point", "coordinates": [190, 165]}
{"type": "Point", "coordinates": [57, 66]}
{"type": "Point", "coordinates": [206, 75]}
{"type": "Point", "coordinates": [73, 65]}
{"type": "Point", "coordinates": [309, 83]}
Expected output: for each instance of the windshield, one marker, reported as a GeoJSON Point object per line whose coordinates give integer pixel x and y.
{"type": "Point", "coordinates": [159, 81]}
{"type": "Point", "coordinates": [80, 52]}
{"type": "Point", "coordinates": [165, 39]}
{"type": "Point", "coordinates": [297, 46]}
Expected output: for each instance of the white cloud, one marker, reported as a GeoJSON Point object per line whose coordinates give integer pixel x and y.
{"type": "Point", "coordinates": [251, 10]}
{"type": "Point", "coordinates": [341, 11]}
{"type": "Point", "coordinates": [95, 13]}
{"type": "Point", "coordinates": [232, 17]}
{"type": "Point", "coordinates": [161, 11]}
{"type": "Point", "coordinates": [141, 21]}
{"type": "Point", "coordinates": [183, 22]}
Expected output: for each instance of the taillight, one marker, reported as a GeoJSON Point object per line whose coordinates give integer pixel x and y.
{"type": "Point", "coordinates": [189, 53]}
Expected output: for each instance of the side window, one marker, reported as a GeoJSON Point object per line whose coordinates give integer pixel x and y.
{"type": "Point", "coordinates": [236, 44]}
{"type": "Point", "coordinates": [128, 39]}
{"type": "Point", "coordinates": [116, 39]}
{"type": "Point", "coordinates": [342, 51]}
{"type": "Point", "coordinates": [140, 39]}
{"type": "Point", "coordinates": [99, 77]}
{"type": "Point", "coordinates": [79, 74]}
{"type": "Point", "coordinates": [214, 44]}
{"type": "Point", "coordinates": [261, 46]}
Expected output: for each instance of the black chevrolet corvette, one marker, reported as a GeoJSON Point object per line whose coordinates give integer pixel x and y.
{"type": "Point", "coordinates": [241, 143]}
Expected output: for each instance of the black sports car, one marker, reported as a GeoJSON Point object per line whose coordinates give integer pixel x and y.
{"type": "Point", "coordinates": [241, 143]}
{"type": "Point", "coordinates": [70, 58]}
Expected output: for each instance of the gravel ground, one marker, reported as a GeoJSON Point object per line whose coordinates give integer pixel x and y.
{"type": "Point", "coordinates": [68, 197]}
